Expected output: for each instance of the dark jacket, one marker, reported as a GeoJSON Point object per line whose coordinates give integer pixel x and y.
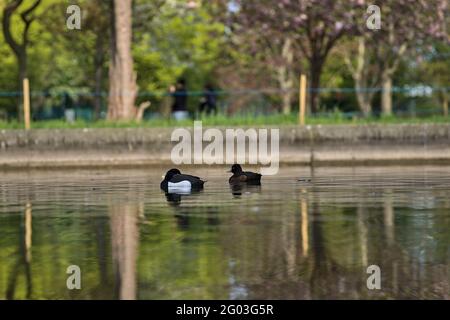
{"type": "Point", "coordinates": [180, 103]}
{"type": "Point", "coordinates": [208, 102]}
{"type": "Point", "coordinates": [210, 96]}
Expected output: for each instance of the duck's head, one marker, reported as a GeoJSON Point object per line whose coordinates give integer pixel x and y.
{"type": "Point", "coordinates": [169, 175]}
{"type": "Point", "coordinates": [236, 168]}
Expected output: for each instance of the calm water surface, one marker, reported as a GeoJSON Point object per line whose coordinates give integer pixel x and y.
{"type": "Point", "coordinates": [284, 240]}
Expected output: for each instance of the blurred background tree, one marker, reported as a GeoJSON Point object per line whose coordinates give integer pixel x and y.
{"type": "Point", "coordinates": [434, 70]}
{"type": "Point", "coordinates": [21, 15]}
{"type": "Point", "coordinates": [252, 50]}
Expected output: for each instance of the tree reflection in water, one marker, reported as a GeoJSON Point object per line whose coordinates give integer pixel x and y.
{"type": "Point", "coordinates": [124, 239]}
{"type": "Point", "coordinates": [284, 240]}
{"type": "Point", "coordinates": [23, 263]}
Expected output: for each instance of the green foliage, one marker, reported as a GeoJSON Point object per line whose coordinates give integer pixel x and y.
{"type": "Point", "coordinates": [177, 44]}
{"type": "Point", "coordinates": [171, 41]}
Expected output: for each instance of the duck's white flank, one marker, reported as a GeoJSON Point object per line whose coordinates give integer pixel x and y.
{"type": "Point", "coordinates": [182, 185]}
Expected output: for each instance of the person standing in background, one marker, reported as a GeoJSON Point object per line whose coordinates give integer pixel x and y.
{"type": "Point", "coordinates": [208, 103]}
{"type": "Point", "coordinates": [179, 107]}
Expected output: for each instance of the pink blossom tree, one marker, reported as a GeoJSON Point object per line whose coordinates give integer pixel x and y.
{"type": "Point", "coordinates": [314, 25]}
{"type": "Point", "coordinates": [406, 25]}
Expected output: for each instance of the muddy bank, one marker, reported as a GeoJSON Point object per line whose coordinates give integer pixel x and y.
{"type": "Point", "coordinates": [321, 145]}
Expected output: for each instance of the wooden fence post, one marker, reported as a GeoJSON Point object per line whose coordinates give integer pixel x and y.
{"type": "Point", "coordinates": [302, 100]}
{"type": "Point", "coordinates": [26, 103]}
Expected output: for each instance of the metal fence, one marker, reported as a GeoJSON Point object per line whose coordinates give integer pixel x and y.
{"type": "Point", "coordinates": [408, 101]}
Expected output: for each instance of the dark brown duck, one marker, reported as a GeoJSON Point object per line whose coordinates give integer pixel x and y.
{"type": "Point", "coordinates": [240, 176]}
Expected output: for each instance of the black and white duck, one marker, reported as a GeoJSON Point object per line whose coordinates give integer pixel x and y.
{"type": "Point", "coordinates": [175, 181]}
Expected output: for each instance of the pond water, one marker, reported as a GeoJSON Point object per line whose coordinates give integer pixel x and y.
{"type": "Point", "coordinates": [286, 239]}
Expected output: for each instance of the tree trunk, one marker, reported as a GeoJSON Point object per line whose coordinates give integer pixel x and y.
{"type": "Point", "coordinates": [286, 88]}
{"type": "Point", "coordinates": [287, 101]}
{"type": "Point", "coordinates": [99, 58]}
{"type": "Point", "coordinates": [364, 102]}
{"type": "Point", "coordinates": [390, 65]}
{"type": "Point", "coordinates": [316, 65]}
{"type": "Point", "coordinates": [285, 76]}
{"type": "Point", "coordinates": [23, 74]}
{"type": "Point", "coordinates": [386, 94]}
{"type": "Point", "coordinates": [122, 78]}
{"type": "Point", "coordinates": [445, 104]}
{"type": "Point", "coordinates": [364, 95]}
{"type": "Point", "coordinates": [363, 77]}
{"type": "Point", "coordinates": [19, 49]}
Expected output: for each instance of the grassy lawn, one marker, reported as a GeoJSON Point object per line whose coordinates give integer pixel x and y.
{"type": "Point", "coordinates": [223, 120]}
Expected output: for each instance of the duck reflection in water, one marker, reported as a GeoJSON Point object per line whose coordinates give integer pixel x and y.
{"type": "Point", "coordinates": [174, 195]}
{"type": "Point", "coordinates": [183, 214]}
{"type": "Point", "coordinates": [238, 189]}
{"type": "Point", "coordinates": [174, 198]}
